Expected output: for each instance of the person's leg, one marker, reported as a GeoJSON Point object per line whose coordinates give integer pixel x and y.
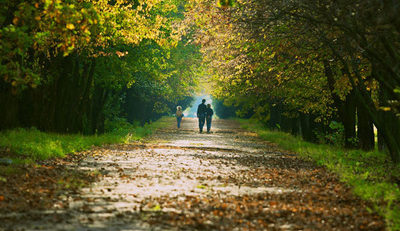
{"type": "Point", "coordinates": [201, 123]}
{"type": "Point", "coordinates": [208, 125]}
{"type": "Point", "coordinates": [179, 119]}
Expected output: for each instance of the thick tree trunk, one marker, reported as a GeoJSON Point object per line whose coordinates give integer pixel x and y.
{"type": "Point", "coordinates": [286, 124]}
{"type": "Point", "coordinates": [390, 132]}
{"type": "Point", "coordinates": [346, 110]}
{"type": "Point", "coordinates": [97, 115]}
{"type": "Point", "coordinates": [365, 131]}
{"type": "Point", "coordinates": [8, 107]}
{"type": "Point", "coordinates": [308, 127]}
{"type": "Point", "coordinates": [386, 121]}
{"type": "Point", "coordinates": [275, 120]}
{"type": "Point", "coordinates": [84, 100]}
{"type": "Point", "coordinates": [381, 141]}
{"type": "Point", "coordinates": [337, 103]}
{"type": "Point", "coordinates": [388, 126]}
{"type": "Point", "coordinates": [349, 120]}
{"type": "Point", "coordinates": [295, 126]}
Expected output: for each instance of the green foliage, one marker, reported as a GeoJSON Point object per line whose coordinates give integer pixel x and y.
{"type": "Point", "coordinates": [372, 175]}
{"type": "Point", "coordinates": [81, 60]}
{"type": "Point", "coordinates": [253, 64]}
{"type": "Point", "coordinates": [32, 30]}
{"type": "Point", "coordinates": [222, 110]}
{"type": "Point", "coordinates": [160, 78]}
{"type": "Point", "coordinates": [334, 136]}
{"type": "Point", "coordinates": [118, 124]}
{"type": "Point", "coordinates": [305, 57]}
{"type": "Point", "coordinates": [226, 3]}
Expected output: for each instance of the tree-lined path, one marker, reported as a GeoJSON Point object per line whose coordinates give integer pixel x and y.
{"type": "Point", "coordinates": [83, 83]}
{"type": "Point", "coordinates": [183, 180]}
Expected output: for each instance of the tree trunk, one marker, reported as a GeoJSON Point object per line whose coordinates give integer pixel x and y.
{"type": "Point", "coordinates": [381, 141]}
{"type": "Point", "coordinates": [389, 126]}
{"type": "Point", "coordinates": [386, 121]}
{"type": "Point", "coordinates": [8, 107]}
{"type": "Point", "coordinates": [349, 120]}
{"type": "Point", "coordinates": [365, 131]}
{"type": "Point", "coordinates": [295, 122]}
{"type": "Point", "coordinates": [275, 120]}
{"type": "Point", "coordinates": [97, 115]}
{"type": "Point", "coordinates": [286, 123]}
{"type": "Point", "coordinates": [346, 110]}
{"type": "Point", "coordinates": [307, 126]}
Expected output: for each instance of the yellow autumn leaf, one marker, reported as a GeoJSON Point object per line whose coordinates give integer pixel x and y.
{"type": "Point", "coordinates": [15, 20]}
{"type": "Point", "coordinates": [70, 26]}
{"type": "Point", "coordinates": [385, 108]}
{"type": "Point", "coordinates": [272, 55]}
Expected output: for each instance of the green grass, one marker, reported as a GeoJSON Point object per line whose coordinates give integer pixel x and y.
{"type": "Point", "coordinates": [371, 175]}
{"type": "Point", "coordinates": [29, 145]}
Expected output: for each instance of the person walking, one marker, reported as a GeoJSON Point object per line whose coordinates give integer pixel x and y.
{"type": "Point", "coordinates": [209, 114]}
{"type": "Point", "coordinates": [179, 115]}
{"type": "Point", "coordinates": [201, 114]}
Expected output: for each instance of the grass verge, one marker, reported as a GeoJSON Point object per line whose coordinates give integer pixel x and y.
{"type": "Point", "coordinates": [29, 145]}
{"type": "Point", "coordinates": [372, 175]}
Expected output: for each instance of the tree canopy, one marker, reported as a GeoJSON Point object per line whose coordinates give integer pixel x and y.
{"type": "Point", "coordinates": [296, 63]}
{"type": "Point", "coordinates": [70, 66]}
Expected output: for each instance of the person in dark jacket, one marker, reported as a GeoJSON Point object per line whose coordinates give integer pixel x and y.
{"type": "Point", "coordinates": [209, 114]}
{"type": "Point", "coordinates": [201, 114]}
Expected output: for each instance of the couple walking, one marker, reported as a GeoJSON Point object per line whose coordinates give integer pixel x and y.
{"type": "Point", "coordinates": [204, 113]}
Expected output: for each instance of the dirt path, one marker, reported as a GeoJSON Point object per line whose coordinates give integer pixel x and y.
{"type": "Point", "coordinates": [183, 180]}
